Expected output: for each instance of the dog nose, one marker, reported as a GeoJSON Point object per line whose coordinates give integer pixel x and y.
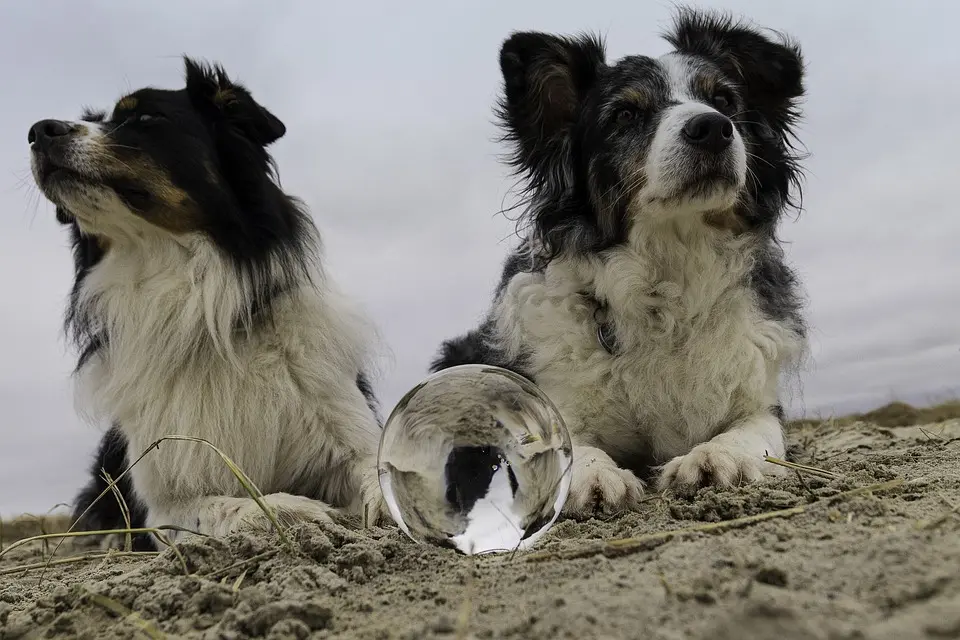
{"type": "Point", "coordinates": [711, 132]}
{"type": "Point", "coordinates": [44, 132]}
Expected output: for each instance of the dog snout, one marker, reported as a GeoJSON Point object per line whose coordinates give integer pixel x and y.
{"type": "Point", "coordinates": [712, 132]}
{"type": "Point", "coordinates": [46, 132]}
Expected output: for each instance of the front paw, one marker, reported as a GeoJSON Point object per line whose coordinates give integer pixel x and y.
{"type": "Point", "coordinates": [599, 486]}
{"type": "Point", "coordinates": [288, 509]}
{"type": "Point", "coordinates": [710, 464]}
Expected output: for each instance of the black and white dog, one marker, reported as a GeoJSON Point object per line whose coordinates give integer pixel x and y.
{"type": "Point", "coordinates": [201, 308]}
{"type": "Point", "coordinates": [650, 298]}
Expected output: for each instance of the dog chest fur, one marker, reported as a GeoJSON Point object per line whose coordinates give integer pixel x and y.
{"type": "Point", "coordinates": [694, 352]}
{"type": "Point", "coordinates": [274, 393]}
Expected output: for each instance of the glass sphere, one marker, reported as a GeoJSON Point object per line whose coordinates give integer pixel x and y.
{"type": "Point", "coordinates": [475, 458]}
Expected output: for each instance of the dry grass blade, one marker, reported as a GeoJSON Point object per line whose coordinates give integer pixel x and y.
{"type": "Point", "coordinates": [166, 541]}
{"type": "Point", "coordinates": [75, 559]}
{"type": "Point", "coordinates": [238, 473]}
{"type": "Point", "coordinates": [244, 481]}
{"type": "Point", "coordinates": [46, 543]}
{"type": "Point", "coordinates": [803, 468]}
{"type": "Point", "coordinates": [124, 510]}
{"type": "Point", "coordinates": [81, 534]}
{"type": "Point", "coordinates": [111, 486]}
{"type": "Point", "coordinates": [622, 546]}
{"type": "Point", "coordinates": [239, 581]}
{"type": "Point", "coordinates": [143, 626]}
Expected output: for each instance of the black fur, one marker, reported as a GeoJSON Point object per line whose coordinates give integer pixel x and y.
{"type": "Point", "coordinates": [363, 383]}
{"type": "Point", "coordinates": [106, 514]}
{"type": "Point", "coordinates": [476, 348]}
{"type": "Point", "coordinates": [208, 139]}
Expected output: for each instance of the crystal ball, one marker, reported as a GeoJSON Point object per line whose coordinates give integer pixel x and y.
{"type": "Point", "coordinates": [475, 458]}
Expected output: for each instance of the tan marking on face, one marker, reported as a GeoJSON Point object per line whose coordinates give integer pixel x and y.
{"type": "Point", "coordinates": [224, 95]}
{"type": "Point", "coordinates": [127, 103]}
{"type": "Point", "coordinates": [636, 96]}
{"type": "Point", "coordinates": [706, 83]}
{"type": "Point", "coordinates": [606, 199]}
{"type": "Point", "coordinates": [170, 207]}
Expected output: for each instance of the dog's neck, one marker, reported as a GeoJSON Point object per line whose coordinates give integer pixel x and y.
{"type": "Point", "coordinates": [183, 293]}
{"type": "Point", "coordinates": [663, 278]}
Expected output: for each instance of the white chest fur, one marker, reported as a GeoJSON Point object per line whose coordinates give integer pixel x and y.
{"type": "Point", "coordinates": [694, 352]}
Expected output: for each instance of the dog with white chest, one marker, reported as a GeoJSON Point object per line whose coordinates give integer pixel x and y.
{"type": "Point", "coordinates": [201, 307]}
{"type": "Point", "coordinates": [649, 297]}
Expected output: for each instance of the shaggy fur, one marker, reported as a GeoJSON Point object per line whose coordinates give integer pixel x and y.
{"type": "Point", "coordinates": [650, 298]}
{"type": "Point", "coordinates": [201, 308]}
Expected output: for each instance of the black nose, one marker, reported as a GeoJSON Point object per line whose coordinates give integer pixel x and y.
{"type": "Point", "coordinates": [45, 131]}
{"type": "Point", "coordinates": [709, 131]}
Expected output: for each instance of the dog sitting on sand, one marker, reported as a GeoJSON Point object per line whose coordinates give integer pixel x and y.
{"type": "Point", "coordinates": [649, 297]}
{"type": "Point", "coordinates": [201, 308]}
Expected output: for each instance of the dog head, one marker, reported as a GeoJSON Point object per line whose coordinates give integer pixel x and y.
{"type": "Point", "coordinates": [191, 161]}
{"type": "Point", "coordinates": [701, 133]}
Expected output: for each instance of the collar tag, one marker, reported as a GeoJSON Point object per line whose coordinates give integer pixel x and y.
{"type": "Point", "coordinates": [606, 338]}
{"type": "Point", "coordinates": [605, 335]}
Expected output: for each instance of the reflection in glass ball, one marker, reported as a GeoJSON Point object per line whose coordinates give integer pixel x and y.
{"type": "Point", "coordinates": [475, 458]}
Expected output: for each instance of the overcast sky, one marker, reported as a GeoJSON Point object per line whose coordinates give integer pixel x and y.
{"type": "Point", "coordinates": [391, 143]}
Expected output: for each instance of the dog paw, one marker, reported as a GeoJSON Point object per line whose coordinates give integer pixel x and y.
{"type": "Point", "coordinates": [710, 464]}
{"type": "Point", "coordinates": [599, 487]}
{"type": "Point", "coordinates": [112, 541]}
{"type": "Point", "coordinates": [288, 509]}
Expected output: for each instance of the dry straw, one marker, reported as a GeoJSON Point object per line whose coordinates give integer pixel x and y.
{"type": "Point", "coordinates": [158, 532]}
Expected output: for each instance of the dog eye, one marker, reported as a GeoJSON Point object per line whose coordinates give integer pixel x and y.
{"type": "Point", "coordinates": [626, 116]}
{"type": "Point", "coordinates": [723, 101]}
{"type": "Point", "coordinates": [142, 117]}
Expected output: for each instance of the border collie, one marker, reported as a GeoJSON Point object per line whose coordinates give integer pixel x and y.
{"type": "Point", "coordinates": [201, 308]}
{"type": "Point", "coordinates": [649, 297]}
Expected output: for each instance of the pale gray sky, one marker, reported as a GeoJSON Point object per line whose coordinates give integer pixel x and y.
{"type": "Point", "coordinates": [391, 143]}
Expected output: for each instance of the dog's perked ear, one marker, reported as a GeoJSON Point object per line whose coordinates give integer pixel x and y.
{"type": "Point", "coordinates": [770, 72]}
{"type": "Point", "coordinates": [213, 93]}
{"type": "Point", "coordinates": [545, 79]}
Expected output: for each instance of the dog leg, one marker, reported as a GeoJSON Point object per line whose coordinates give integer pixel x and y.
{"type": "Point", "coordinates": [731, 458]}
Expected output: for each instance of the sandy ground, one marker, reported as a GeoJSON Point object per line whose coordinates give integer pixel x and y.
{"type": "Point", "coordinates": [817, 558]}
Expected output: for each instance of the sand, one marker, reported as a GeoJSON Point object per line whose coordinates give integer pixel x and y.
{"type": "Point", "coordinates": [812, 558]}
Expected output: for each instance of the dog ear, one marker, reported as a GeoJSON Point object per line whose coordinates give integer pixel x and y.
{"type": "Point", "coordinates": [545, 79]}
{"type": "Point", "coordinates": [770, 72]}
{"type": "Point", "coordinates": [213, 93]}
